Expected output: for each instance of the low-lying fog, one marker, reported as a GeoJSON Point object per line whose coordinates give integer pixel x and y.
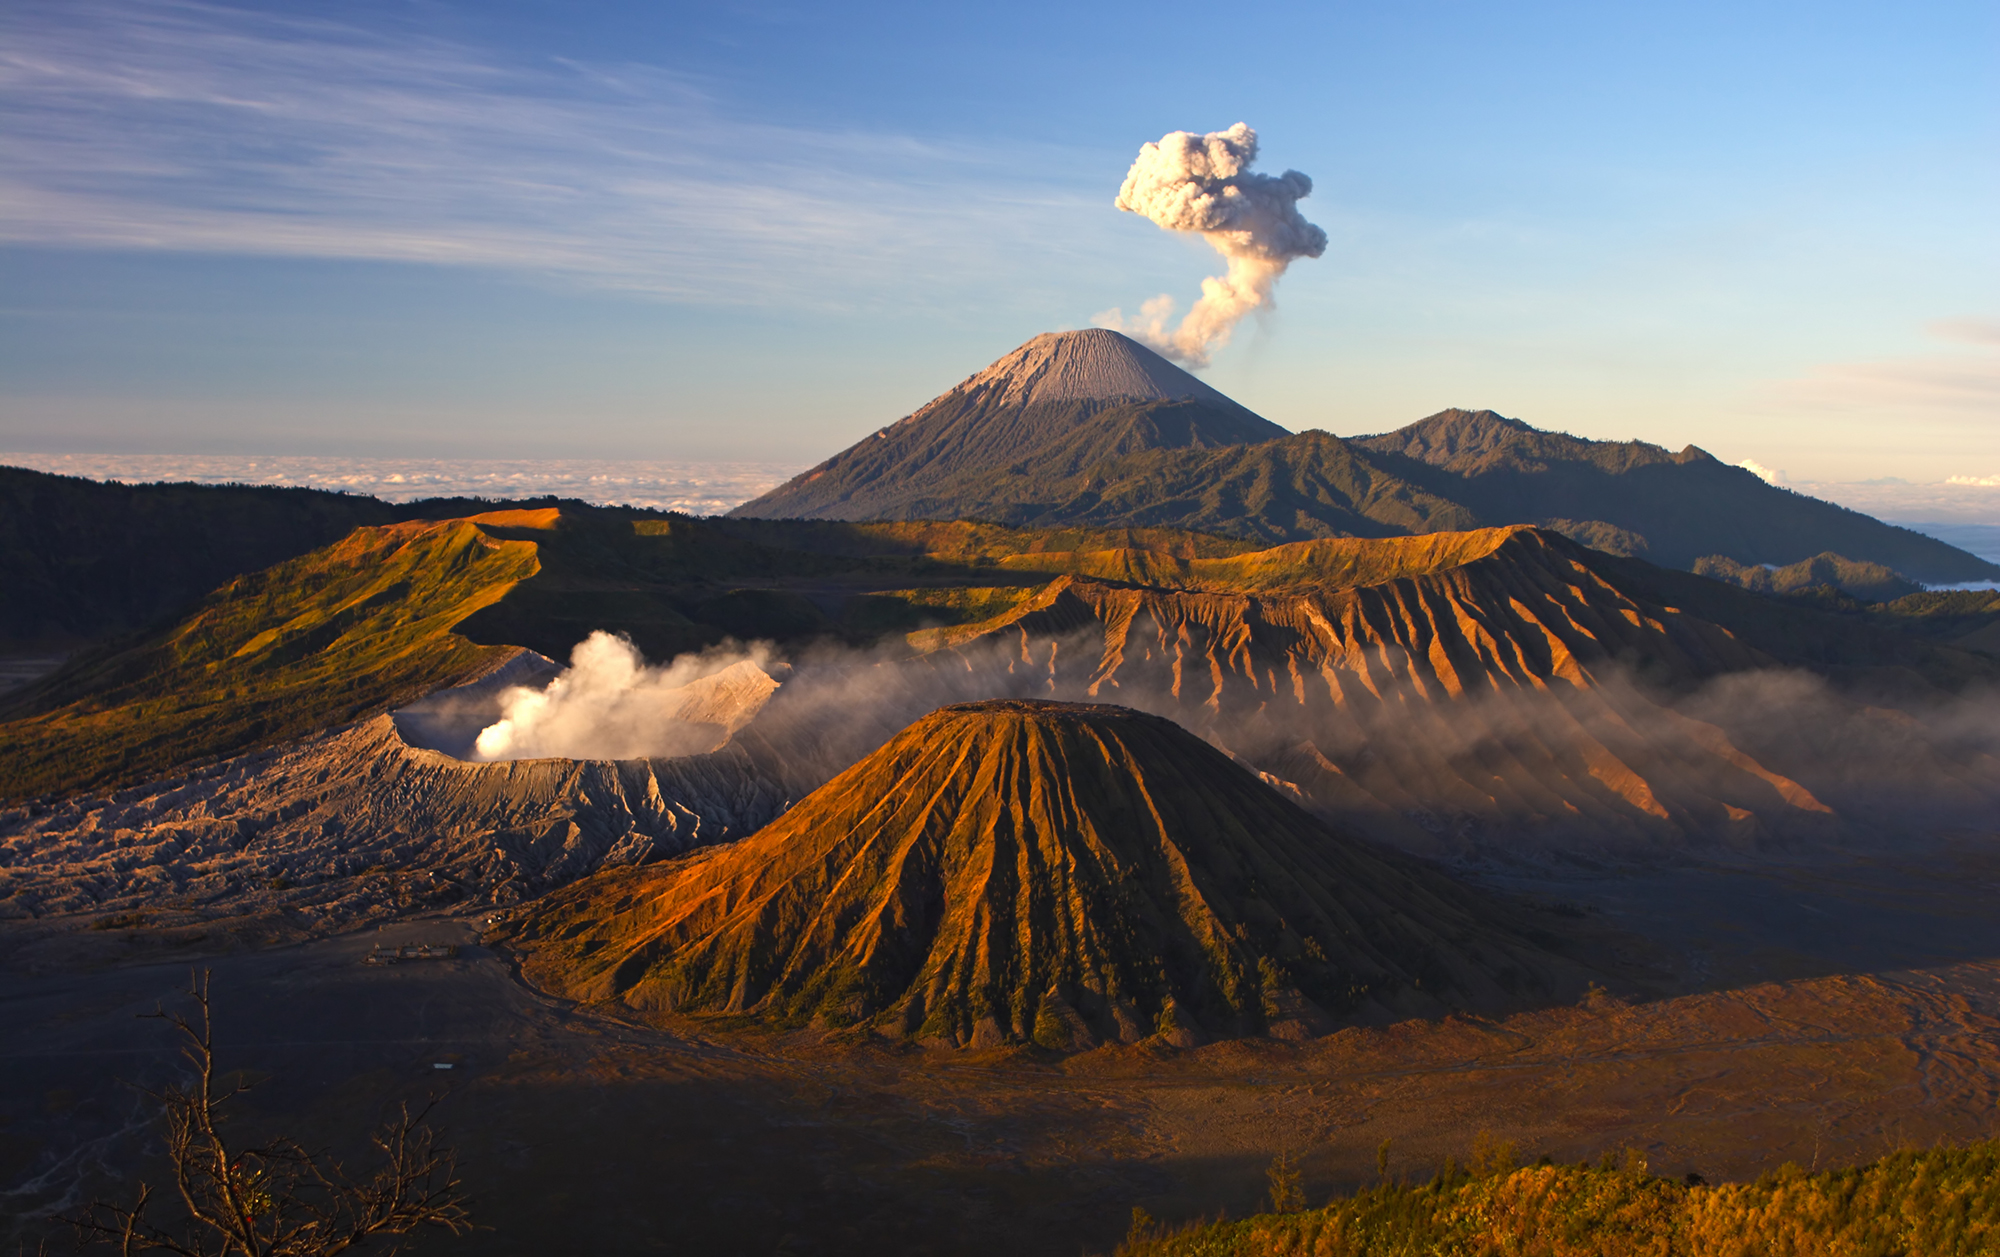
{"type": "Point", "coordinates": [1786, 747]}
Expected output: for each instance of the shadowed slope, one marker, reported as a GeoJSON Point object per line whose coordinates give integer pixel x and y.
{"type": "Point", "coordinates": [1008, 871]}
{"type": "Point", "coordinates": [1287, 489]}
{"type": "Point", "coordinates": [80, 559]}
{"type": "Point", "coordinates": [1864, 580]}
{"type": "Point", "coordinates": [1686, 504]}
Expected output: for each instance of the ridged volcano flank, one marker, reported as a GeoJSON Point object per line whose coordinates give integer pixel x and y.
{"type": "Point", "coordinates": [1007, 871]}
{"type": "Point", "coordinates": [1095, 364]}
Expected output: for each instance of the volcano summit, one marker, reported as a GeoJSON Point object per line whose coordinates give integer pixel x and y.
{"type": "Point", "coordinates": [1012, 871]}
{"type": "Point", "coordinates": [1054, 407]}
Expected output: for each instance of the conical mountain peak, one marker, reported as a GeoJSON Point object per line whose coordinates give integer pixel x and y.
{"type": "Point", "coordinates": [1014, 871]}
{"type": "Point", "coordinates": [1037, 421]}
{"type": "Point", "coordinates": [1095, 364]}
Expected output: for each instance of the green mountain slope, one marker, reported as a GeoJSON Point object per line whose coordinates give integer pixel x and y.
{"type": "Point", "coordinates": [1864, 580]}
{"type": "Point", "coordinates": [1685, 504]}
{"type": "Point", "coordinates": [346, 631]}
{"type": "Point", "coordinates": [959, 449]}
{"type": "Point", "coordinates": [1625, 497]}
{"type": "Point", "coordinates": [1291, 489]}
{"type": "Point", "coordinates": [1045, 437]}
{"type": "Point", "coordinates": [392, 612]}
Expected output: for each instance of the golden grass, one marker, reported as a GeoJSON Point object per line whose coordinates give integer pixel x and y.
{"type": "Point", "coordinates": [1944, 1202]}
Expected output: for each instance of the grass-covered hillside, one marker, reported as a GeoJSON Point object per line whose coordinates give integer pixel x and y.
{"type": "Point", "coordinates": [342, 632]}
{"type": "Point", "coordinates": [82, 560]}
{"type": "Point", "coordinates": [1943, 1202]}
{"type": "Point", "coordinates": [393, 611]}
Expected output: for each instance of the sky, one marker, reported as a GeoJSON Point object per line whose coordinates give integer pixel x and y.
{"type": "Point", "coordinates": [757, 232]}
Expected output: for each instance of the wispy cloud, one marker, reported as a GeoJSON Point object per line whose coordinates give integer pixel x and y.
{"type": "Point", "coordinates": [1769, 475]}
{"type": "Point", "coordinates": [1948, 385]}
{"type": "Point", "coordinates": [157, 124]}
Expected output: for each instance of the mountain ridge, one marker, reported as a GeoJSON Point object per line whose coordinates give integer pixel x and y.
{"type": "Point", "coordinates": [1002, 447]}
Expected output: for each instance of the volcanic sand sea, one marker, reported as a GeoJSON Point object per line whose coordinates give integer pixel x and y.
{"type": "Point", "coordinates": [1829, 1012]}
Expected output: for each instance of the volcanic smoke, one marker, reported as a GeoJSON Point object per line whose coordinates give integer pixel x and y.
{"type": "Point", "coordinates": [608, 704]}
{"type": "Point", "coordinates": [1203, 183]}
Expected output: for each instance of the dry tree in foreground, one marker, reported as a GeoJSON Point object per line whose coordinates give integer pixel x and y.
{"type": "Point", "coordinates": [277, 1199]}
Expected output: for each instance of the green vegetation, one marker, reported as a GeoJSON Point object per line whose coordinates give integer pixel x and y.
{"type": "Point", "coordinates": [1153, 466]}
{"type": "Point", "coordinates": [1292, 489]}
{"type": "Point", "coordinates": [1685, 505]}
{"type": "Point", "coordinates": [394, 611]}
{"type": "Point", "coordinates": [343, 632]}
{"type": "Point", "coordinates": [1939, 1203]}
{"type": "Point", "coordinates": [1966, 618]}
{"type": "Point", "coordinates": [1868, 581]}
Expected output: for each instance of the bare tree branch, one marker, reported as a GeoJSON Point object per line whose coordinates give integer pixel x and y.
{"type": "Point", "coordinates": [278, 1199]}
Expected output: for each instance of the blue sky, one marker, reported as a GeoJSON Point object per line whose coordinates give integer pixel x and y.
{"type": "Point", "coordinates": [760, 231]}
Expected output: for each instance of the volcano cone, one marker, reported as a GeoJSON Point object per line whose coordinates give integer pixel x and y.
{"type": "Point", "coordinates": [1066, 874]}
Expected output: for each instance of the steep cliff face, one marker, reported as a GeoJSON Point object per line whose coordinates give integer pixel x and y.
{"type": "Point", "coordinates": [1030, 871]}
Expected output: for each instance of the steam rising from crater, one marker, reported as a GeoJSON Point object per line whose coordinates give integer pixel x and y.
{"type": "Point", "coordinates": [1601, 761]}
{"type": "Point", "coordinates": [1203, 183]}
{"type": "Point", "coordinates": [608, 704]}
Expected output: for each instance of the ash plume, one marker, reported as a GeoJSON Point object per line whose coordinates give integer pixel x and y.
{"type": "Point", "coordinates": [1203, 183]}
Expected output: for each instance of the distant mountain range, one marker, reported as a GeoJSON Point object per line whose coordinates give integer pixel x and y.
{"type": "Point", "coordinates": [1091, 428]}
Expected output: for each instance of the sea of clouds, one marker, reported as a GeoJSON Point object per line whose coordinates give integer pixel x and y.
{"type": "Point", "coordinates": [698, 488]}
